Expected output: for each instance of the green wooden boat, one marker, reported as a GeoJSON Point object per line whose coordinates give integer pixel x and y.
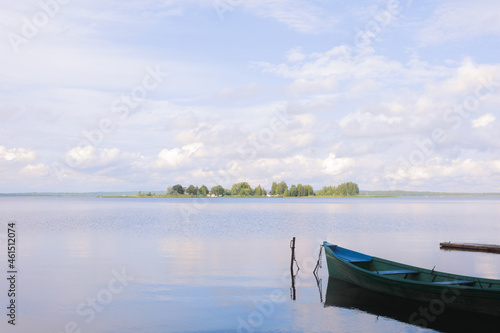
{"type": "Point", "coordinates": [440, 289]}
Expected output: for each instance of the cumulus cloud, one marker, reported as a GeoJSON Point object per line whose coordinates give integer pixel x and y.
{"type": "Point", "coordinates": [295, 54]}
{"type": "Point", "coordinates": [367, 124]}
{"type": "Point", "coordinates": [369, 115]}
{"type": "Point", "coordinates": [176, 157]}
{"type": "Point", "coordinates": [483, 120]}
{"type": "Point", "coordinates": [17, 154]}
{"type": "Point", "coordinates": [334, 166]}
{"type": "Point", "coordinates": [405, 106]}
{"type": "Point", "coordinates": [35, 170]}
{"type": "Point", "coordinates": [20, 168]}
{"type": "Point", "coordinates": [84, 157]}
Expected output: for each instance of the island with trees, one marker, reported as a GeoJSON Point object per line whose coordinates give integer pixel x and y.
{"type": "Point", "coordinates": [325, 191]}
{"type": "Point", "coordinates": [244, 189]}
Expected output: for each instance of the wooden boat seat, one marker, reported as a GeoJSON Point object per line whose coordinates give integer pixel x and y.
{"type": "Point", "coordinates": [400, 271]}
{"type": "Point", "coordinates": [454, 282]}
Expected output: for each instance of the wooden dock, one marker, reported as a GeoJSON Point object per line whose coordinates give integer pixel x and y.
{"type": "Point", "coordinates": [471, 247]}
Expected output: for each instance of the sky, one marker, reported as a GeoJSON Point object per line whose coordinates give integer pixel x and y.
{"type": "Point", "coordinates": [136, 95]}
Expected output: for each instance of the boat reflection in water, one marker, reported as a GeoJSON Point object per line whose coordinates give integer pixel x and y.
{"type": "Point", "coordinates": [430, 315]}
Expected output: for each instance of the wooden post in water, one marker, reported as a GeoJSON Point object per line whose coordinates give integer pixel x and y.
{"type": "Point", "coordinates": [292, 289]}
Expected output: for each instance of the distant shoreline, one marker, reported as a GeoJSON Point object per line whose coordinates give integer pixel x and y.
{"type": "Point", "coordinates": [162, 194]}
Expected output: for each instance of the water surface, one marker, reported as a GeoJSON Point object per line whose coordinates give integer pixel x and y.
{"type": "Point", "coordinates": [223, 265]}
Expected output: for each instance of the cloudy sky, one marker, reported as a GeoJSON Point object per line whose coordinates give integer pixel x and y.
{"type": "Point", "coordinates": [142, 94]}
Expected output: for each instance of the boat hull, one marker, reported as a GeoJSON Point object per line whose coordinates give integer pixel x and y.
{"type": "Point", "coordinates": [486, 301]}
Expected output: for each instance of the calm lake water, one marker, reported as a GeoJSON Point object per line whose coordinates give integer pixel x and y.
{"type": "Point", "coordinates": [223, 265]}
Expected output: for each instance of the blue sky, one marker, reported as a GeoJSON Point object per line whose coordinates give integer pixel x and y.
{"type": "Point", "coordinates": [141, 95]}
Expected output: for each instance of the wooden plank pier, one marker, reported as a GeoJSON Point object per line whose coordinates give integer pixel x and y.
{"type": "Point", "coordinates": [470, 247]}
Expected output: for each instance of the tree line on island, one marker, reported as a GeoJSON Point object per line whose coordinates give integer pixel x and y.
{"type": "Point", "coordinates": [243, 189]}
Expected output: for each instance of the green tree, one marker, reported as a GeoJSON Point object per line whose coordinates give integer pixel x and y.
{"type": "Point", "coordinates": [342, 190]}
{"type": "Point", "coordinates": [301, 192]}
{"type": "Point", "coordinates": [171, 191]}
{"type": "Point", "coordinates": [243, 189]}
{"type": "Point", "coordinates": [281, 188]}
{"type": "Point", "coordinates": [309, 190]}
{"type": "Point", "coordinates": [293, 192]}
{"type": "Point", "coordinates": [258, 191]}
{"type": "Point", "coordinates": [203, 190]}
{"type": "Point", "coordinates": [273, 188]}
{"type": "Point", "coordinates": [352, 189]}
{"type": "Point", "coordinates": [327, 191]}
{"type": "Point", "coordinates": [178, 188]}
{"type": "Point", "coordinates": [321, 192]}
{"type": "Point", "coordinates": [218, 190]}
{"type": "Point", "coordinates": [246, 192]}
{"type": "Point", "coordinates": [284, 186]}
{"type": "Point", "coordinates": [191, 190]}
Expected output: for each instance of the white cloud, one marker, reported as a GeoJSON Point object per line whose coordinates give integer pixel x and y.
{"type": "Point", "coordinates": [172, 158]}
{"type": "Point", "coordinates": [335, 166]}
{"type": "Point", "coordinates": [81, 155]}
{"type": "Point", "coordinates": [298, 15]}
{"type": "Point", "coordinates": [350, 116]}
{"type": "Point", "coordinates": [496, 165]}
{"type": "Point", "coordinates": [483, 120]}
{"type": "Point", "coordinates": [17, 154]}
{"type": "Point", "coordinates": [175, 158]}
{"type": "Point", "coordinates": [365, 73]}
{"type": "Point", "coordinates": [460, 21]}
{"type": "Point", "coordinates": [303, 140]}
{"type": "Point", "coordinates": [295, 55]}
{"type": "Point", "coordinates": [367, 124]}
{"type": "Point", "coordinates": [84, 157]}
{"type": "Point", "coordinates": [35, 170]}
{"type": "Point", "coordinates": [463, 172]}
